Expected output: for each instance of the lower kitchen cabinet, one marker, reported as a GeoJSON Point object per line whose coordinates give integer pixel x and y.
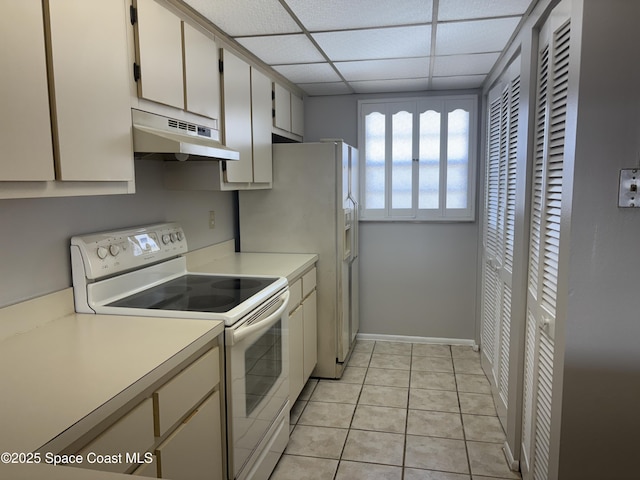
{"type": "Point", "coordinates": [303, 332]}
{"type": "Point", "coordinates": [177, 428]}
{"type": "Point", "coordinates": [187, 453]}
{"type": "Point", "coordinates": [132, 433]}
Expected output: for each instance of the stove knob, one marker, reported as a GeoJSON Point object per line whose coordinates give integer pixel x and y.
{"type": "Point", "coordinates": [114, 250]}
{"type": "Point", "coordinates": [174, 237]}
{"type": "Point", "coordinates": [165, 238]}
{"type": "Point", "coordinates": [180, 236]}
{"type": "Point", "coordinates": [102, 253]}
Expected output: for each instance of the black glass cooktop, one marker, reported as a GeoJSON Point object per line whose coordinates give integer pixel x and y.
{"type": "Point", "coordinates": [197, 293]}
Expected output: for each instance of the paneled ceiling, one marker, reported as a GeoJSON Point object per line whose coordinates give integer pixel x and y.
{"type": "Point", "coordinates": [332, 47]}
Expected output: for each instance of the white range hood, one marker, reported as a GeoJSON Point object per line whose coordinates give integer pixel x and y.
{"type": "Point", "coordinates": [175, 139]}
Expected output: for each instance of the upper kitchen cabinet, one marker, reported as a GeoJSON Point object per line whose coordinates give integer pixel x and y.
{"type": "Point", "coordinates": [202, 79]}
{"type": "Point", "coordinates": [236, 110]}
{"type": "Point", "coordinates": [159, 54]}
{"type": "Point", "coordinates": [90, 90]}
{"type": "Point", "coordinates": [66, 128]}
{"type": "Point", "coordinates": [246, 113]}
{"type": "Point", "coordinates": [288, 112]}
{"type": "Point", "coordinates": [176, 64]}
{"type": "Point", "coordinates": [246, 97]}
{"type": "Point", "coordinates": [25, 124]}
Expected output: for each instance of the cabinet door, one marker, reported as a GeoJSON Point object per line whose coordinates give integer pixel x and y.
{"type": "Point", "coordinates": [310, 311]}
{"type": "Point", "coordinates": [91, 90]}
{"type": "Point", "coordinates": [25, 124]}
{"type": "Point", "coordinates": [159, 43]}
{"type": "Point", "coordinates": [194, 450]}
{"type": "Point", "coordinates": [202, 88]}
{"type": "Point", "coordinates": [132, 433]}
{"type": "Point", "coordinates": [282, 100]}
{"type": "Point", "coordinates": [297, 115]}
{"type": "Point", "coordinates": [296, 354]}
{"type": "Point", "coordinates": [261, 127]}
{"type": "Point", "coordinates": [236, 107]}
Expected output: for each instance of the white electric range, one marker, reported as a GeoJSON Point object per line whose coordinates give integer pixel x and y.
{"type": "Point", "coordinates": [142, 272]}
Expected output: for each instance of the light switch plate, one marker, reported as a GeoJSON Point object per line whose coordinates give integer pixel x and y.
{"type": "Point", "coordinates": [628, 195]}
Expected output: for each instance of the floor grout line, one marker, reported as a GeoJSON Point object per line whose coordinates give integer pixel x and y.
{"type": "Point", "coordinates": [407, 408]}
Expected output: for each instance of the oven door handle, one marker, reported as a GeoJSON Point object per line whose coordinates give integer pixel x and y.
{"type": "Point", "coordinates": [241, 333]}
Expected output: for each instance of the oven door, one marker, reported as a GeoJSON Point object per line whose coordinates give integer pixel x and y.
{"type": "Point", "coordinates": [257, 380]}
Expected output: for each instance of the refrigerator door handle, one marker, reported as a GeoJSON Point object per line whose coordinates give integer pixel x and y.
{"type": "Point", "coordinates": [356, 227]}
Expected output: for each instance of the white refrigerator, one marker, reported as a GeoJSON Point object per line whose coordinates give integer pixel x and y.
{"type": "Point", "coordinates": [313, 208]}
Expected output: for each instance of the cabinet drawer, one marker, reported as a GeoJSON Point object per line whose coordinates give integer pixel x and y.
{"type": "Point", "coordinates": [194, 450]}
{"type": "Point", "coordinates": [308, 282]}
{"type": "Point", "coordinates": [132, 433]}
{"type": "Point", "coordinates": [295, 295]}
{"type": "Point", "coordinates": [180, 394]}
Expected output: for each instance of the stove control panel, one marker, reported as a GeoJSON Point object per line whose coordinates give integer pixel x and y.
{"type": "Point", "coordinates": [103, 254]}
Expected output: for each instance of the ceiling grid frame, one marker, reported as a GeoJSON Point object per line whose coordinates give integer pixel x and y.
{"type": "Point", "coordinates": [393, 47]}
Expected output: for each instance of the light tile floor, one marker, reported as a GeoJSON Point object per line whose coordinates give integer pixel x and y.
{"type": "Point", "coordinates": [400, 412]}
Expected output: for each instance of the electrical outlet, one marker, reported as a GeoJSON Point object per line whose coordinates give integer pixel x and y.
{"type": "Point", "coordinates": [628, 190]}
{"type": "Point", "coordinates": [212, 219]}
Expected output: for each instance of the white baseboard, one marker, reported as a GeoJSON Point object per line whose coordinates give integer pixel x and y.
{"type": "Point", "coordinates": [425, 340]}
{"type": "Point", "coordinates": [514, 464]}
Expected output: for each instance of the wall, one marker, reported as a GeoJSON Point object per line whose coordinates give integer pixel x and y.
{"type": "Point", "coordinates": [35, 233]}
{"type": "Point", "coordinates": [601, 382]}
{"type": "Point", "coordinates": [416, 279]}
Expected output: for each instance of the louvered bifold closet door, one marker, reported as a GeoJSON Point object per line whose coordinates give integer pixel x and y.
{"type": "Point", "coordinates": [545, 238]}
{"type": "Point", "coordinates": [499, 232]}
{"type": "Point", "coordinates": [490, 290]}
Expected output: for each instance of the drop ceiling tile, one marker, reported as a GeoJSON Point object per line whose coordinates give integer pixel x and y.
{"type": "Point", "coordinates": [246, 17]}
{"type": "Point", "coordinates": [376, 43]}
{"type": "Point", "coordinates": [395, 68]}
{"type": "Point", "coordinates": [383, 86]}
{"type": "Point", "coordinates": [468, 9]}
{"type": "Point", "coordinates": [451, 65]}
{"type": "Point", "coordinates": [308, 72]}
{"type": "Point", "coordinates": [329, 88]}
{"type": "Point", "coordinates": [457, 83]}
{"type": "Point", "coordinates": [342, 15]}
{"type": "Point", "coordinates": [282, 49]}
{"type": "Point", "coordinates": [474, 37]}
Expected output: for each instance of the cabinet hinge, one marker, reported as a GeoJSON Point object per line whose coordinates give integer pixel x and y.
{"type": "Point", "coordinates": [273, 95]}
{"type": "Point", "coordinates": [224, 165]}
{"type": "Point", "coordinates": [136, 72]}
{"type": "Point", "coordinates": [133, 14]}
{"type": "Point", "coordinates": [220, 66]}
{"type": "Point", "coordinates": [273, 112]}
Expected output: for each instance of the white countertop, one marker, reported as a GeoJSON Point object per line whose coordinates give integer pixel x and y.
{"type": "Point", "coordinates": [56, 375]}
{"type": "Point", "coordinates": [289, 265]}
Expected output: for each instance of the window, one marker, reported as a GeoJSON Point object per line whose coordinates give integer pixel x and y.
{"type": "Point", "coordinates": [418, 158]}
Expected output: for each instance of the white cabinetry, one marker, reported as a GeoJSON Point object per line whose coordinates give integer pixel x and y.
{"type": "Point", "coordinates": [88, 99]}
{"type": "Point", "coordinates": [132, 433]}
{"type": "Point", "coordinates": [159, 54]}
{"type": "Point", "coordinates": [246, 97]}
{"type": "Point", "coordinates": [246, 110]}
{"type": "Point", "coordinates": [303, 332]}
{"type": "Point", "coordinates": [236, 109]}
{"type": "Point", "coordinates": [25, 124]}
{"type": "Point", "coordinates": [190, 451]}
{"type": "Point", "coordinates": [177, 63]}
{"type": "Point", "coordinates": [202, 87]}
{"type": "Point", "coordinates": [176, 432]}
{"type": "Point", "coordinates": [288, 112]}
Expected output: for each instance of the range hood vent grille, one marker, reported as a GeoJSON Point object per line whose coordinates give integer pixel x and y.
{"type": "Point", "coordinates": [173, 139]}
